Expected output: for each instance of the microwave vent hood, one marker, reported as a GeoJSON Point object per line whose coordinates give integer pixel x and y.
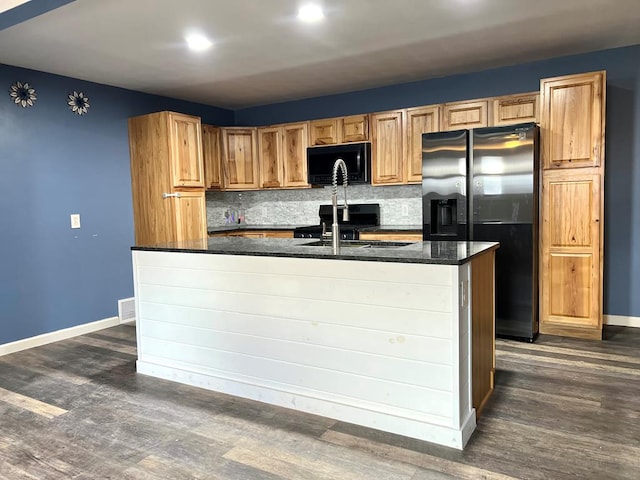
{"type": "Point", "coordinates": [357, 157]}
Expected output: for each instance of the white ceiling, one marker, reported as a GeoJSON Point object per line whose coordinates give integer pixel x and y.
{"type": "Point", "coordinates": [262, 54]}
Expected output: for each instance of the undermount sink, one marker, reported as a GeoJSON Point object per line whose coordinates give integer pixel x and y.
{"type": "Point", "coordinates": [357, 244]}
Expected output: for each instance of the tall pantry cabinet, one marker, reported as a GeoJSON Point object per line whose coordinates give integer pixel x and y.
{"type": "Point", "coordinates": [167, 178]}
{"type": "Point", "coordinates": [571, 231]}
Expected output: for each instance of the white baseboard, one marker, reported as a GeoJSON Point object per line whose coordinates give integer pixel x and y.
{"type": "Point", "coordinates": [58, 335]}
{"type": "Point", "coordinates": [622, 321]}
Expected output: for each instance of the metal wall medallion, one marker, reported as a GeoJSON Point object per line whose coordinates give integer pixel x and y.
{"type": "Point", "coordinates": [23, 94]}
{"type": "Point", "coordinates": [78, 103]}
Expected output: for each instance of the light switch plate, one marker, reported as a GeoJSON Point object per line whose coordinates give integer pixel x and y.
{"type": "Point", "coordinates": [405, 210]}
{"type": "Point", "coordinates": [75, 220]}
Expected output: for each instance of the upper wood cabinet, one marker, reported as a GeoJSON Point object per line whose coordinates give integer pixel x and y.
{"type": "Point", "coordinates": [387, 148]}
{"type": "Point", "coordinates": [212, 157]}
{"type": "Point", "coordinates": [283, 155]}
{"type": "Point", "coordinates": [331, 131]}
{"type": "Point", "coordinates": [418, 121]}
{"type": "Point", "coordinates": [513, 109]}
{"type": "Point", "coordinates": [167, 178]}
{"type": "Point", "coordinates": [572, 120]}
{"type": "Point", "coordinates": [270, 155]}
{"type": "Point", "coordinates": [186, 151]}
{"type": "Point", "coordinates": [240, 158]}
{"type": "Point", "coordinates": [463, 115]}
{"type": "Point", "coordinates": [294, 149]}
{"type": "Point", "coordinates": [571, 254]}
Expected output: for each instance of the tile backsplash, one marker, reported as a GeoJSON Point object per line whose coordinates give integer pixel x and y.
{"type": "Point", "coordinates": [399, 205]}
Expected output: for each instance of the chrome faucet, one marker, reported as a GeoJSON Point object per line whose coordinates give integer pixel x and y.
{"type": "Point", "coordinates": [335, 227]}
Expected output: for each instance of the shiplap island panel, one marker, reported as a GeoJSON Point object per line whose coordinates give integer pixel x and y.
{"type": "Point", "coordinates": [381, 344]}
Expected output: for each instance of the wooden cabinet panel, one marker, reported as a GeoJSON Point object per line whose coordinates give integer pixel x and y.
{"type": "Point", "coordinates": [392, 236]}
{"type": "Point", "coordinates": [572, 120]}
{"type": "Point", "coordinates": [387, 148]}
{"type": "Point", "coordinates": [294, 148]}
{"type": "Point", "coordinates": [570, 288]}
{"type": "Point", "coordinates": [513, 109]}
{"type": "Point", "coordinates": [270, 154]}
{"type": "Point", "coordinates": [418, 121]}
{"type": "Point", "coordinates": [255, 234]}
{"type": "Point", "coordinates": [191, 215]}
{"type": "Point", "coordinates": [212, 157]}
{"type": "Point", "coordinates": [323, 132]}
{"type": "Point", "coordinates": [331, 131]}
{"type": "Point", "coordinates": [186, 151]}
{"type": "Point", "coordinates": [571, 254]}
{"type": "Point", "coordinates": [461, 115]}
{"type": "Point", "coordinates": [283, 155]}
{"type": "Point", "coordinates": [157, 213]}
{"type": "Point", "coordinates": [355, 128]}
{"type": "Point", "coordinates": [240, 158]}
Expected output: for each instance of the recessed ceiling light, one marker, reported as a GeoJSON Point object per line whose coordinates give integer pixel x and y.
{"type": "Point", "coordinates": [198, 42]}
{"type": "Point", "coordinates": [310, 13]}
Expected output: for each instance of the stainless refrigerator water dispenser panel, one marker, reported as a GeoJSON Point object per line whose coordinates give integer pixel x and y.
{"type": "Point", "coordinates": [444, 185]}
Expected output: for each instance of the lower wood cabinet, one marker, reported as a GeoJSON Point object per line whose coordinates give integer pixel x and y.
{"type": "Point", "coordinates": [571, 254]}
{"type": "Point", "coordinates": [412, 236]}
{"type": "Point", "coordinates": [254, 233]}
{"type": "Point", "coordinates": [191, 215]}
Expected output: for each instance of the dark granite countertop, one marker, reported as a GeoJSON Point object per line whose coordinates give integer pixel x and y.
{"type": "Point", "coordinates": [231, 227]}
{"type": "Point", "coordinates": [445, 253]}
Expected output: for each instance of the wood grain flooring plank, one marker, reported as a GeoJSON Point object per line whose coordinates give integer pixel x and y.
{"type": "Point", "coordinates": [305, 464]}
{"type": "Point", "coordinates": [536, 349]}
{"type": "Point", "coordinates": [106, 344]}
{"type": "Point", "coordinates": [30, 404]}
{"type": "Point", "coordinates": [422, 460]}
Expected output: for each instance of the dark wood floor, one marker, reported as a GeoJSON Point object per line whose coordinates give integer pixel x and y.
{"type": "Point", "coordinates": [76, 409]}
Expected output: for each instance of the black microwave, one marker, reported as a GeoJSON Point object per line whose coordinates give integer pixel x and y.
{"type": "Point", "coordinates": [356, 156]}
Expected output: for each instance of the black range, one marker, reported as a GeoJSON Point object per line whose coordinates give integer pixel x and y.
{"type": "Point", "coordinates": [361, 215]}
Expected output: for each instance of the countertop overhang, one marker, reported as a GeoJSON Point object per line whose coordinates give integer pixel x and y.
{"type": "Point", "coordinates": [438, 253]}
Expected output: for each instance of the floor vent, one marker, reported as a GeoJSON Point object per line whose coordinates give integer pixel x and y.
{"type": "Point", "coordinates": [127, 310]}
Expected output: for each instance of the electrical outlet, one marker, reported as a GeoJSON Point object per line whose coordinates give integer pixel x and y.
{"type": "Point", "coordinates": [264, 212]}
{"type": "Point", "coordinates": [75, 220]}
{"type": "Point", "coordinates": [405, 210]}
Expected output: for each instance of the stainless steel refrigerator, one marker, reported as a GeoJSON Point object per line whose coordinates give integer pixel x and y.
{"type": "Point", "coordinates": [482, 185]}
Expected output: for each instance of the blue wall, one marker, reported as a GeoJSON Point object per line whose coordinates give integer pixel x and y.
{"type": "Point", "coordinates": [622, 182]}
{"type": "Point", "coordinates": [54, 163]}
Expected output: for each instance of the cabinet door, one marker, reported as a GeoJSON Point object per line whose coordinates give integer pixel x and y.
{"type": "Point", "coordinates": [270, 155]}
{"type": "Point", "coordinates": [323, 132]}
{"type": "Point", "coordinates": [354, 128]}
{"type": "Point", "coordinates": [513, 109]}
{"type": "Point", "coordinates": [571, 265]}
{"type": "Point", "coordinates": [190, 215]}
{"type": "Point", "coordinates": [294, 139]}
{"type": "Point", "coordinates": [419, 121]}
{"type": "Point", "coordinates": [240, 159]}
{"type": "Point", "coordinates": [463, 115]}
{"type": "Point", "coordinates": [186, 151]}
{"type": "Point", "coordinates": [572, 120]}
{"type": "Point", "coordinates": [212, 156]}
{"type": "Point", "coordinates": [386, 146]}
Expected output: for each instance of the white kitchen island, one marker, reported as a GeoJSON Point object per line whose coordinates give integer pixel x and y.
{"type": "Point", "coordinates": [384, 338]}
